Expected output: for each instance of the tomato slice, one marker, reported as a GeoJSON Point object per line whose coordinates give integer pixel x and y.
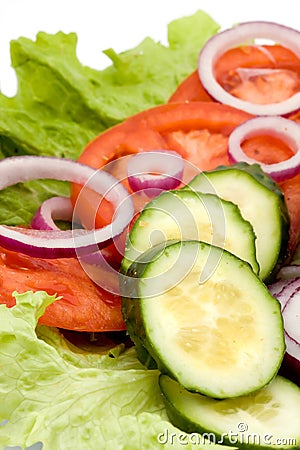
{"type": "Point", "coordinates": [152, 129]}
{"type": "Point", "coordinates": [235, 72]}
{"type": "Point", "coordinates": [279, 83]}
{"type": "Point", "coordinates": [197, 128]}
{"type": "Point", "coordinates": [199, 132]}
{"type": "Point", "coordinates": [189, 129]}
{"type": "Point", "coordinates": [192, 90]}
{"type": "Point", "coordinates": [83, 306]}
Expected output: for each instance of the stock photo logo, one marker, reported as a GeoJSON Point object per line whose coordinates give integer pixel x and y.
{"type": "Point", "coordinates": [239, 435]}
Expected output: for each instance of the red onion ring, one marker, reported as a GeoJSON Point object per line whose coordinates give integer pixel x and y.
{"type": "Point", "coordinates": [286, 130]}
{"type": "Point", "coordinates": [221, 42]}
{"type": "Point", "coordinates": [283, 290]}
{"type": "Point", "coordinates": [291, 318]}
{"type": "Point", "coordinates": [55, 208]}
{"type": "Point", "coordinates": [287, 292]}
{"type": "Point", "coordinates": [155, 171]}
{"type": "Point", "coordinates": [277, 290]}
{"type": "Point", "coordinates": [62, 244]}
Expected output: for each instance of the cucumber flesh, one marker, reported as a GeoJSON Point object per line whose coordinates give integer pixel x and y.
{"type": "Point", "coordinates": [260, 201]}
{"type": "Point", "coordinates": [205, 318]}
{"type": "Point", "coordinates": [187, 215]}
{"type": "Point", "coordinates": [266, 419]}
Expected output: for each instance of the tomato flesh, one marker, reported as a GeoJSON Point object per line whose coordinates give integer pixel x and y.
{"type": "Point", "coordinates": [235, 71]}
{"type": "Point", "coordinates": [199, 132]}
{"type": "Point", "coordinates": [195, 126]}
{"type": "Point", "coordinates": [188, 129]}
{"type": "Point", "coordinates": [83, 306]}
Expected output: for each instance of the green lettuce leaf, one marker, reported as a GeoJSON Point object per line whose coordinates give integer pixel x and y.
{"type": "Point", "coordinates": [68, 399]}
{"type": "Point", "coordinates": [52, 392]}
{"type": "Point", "coordinates": [61, 105]}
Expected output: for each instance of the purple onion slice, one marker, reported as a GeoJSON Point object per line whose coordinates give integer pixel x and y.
{"type": "Point", "coordinates": [58, 243]}
{"type": "Point", "coordinates": [238, 35]}
{"type": "Point", "coordinates": [286, 130]}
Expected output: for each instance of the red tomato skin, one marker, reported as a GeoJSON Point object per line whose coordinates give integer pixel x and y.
{"type": "Point", "coordinates": [182, 124]}
{"type": "Point", "coordinates": [147, 130]}
{"type": "Point", "coordinates": [191, 90]}
{"type": "Point", "coordinates": [179, 126]}
{"type": "Point", "coordinates": [272, 56]}
{"type": "Point", "coordinates": [83, 306]}
{"type": "Point", "coordinates": [154, 129]}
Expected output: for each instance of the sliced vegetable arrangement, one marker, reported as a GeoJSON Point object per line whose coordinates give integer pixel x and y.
{"type": "Point", "coordinates": [55, 244]}
{"type": "Point", "coordinates": [206, 319]}
{"type": "Point", "coordinates": [81, 304]}
{"type": "Point", "coordinates": [252, 75]}
{"type": "Point", "coordinates": [287, 293]}
{"type": "Point", "coordinates": [226, 40]}
{"type": "Point", "coordinates": [195, 211]}
{"type": "Point", "coordinates": [272, 414]}
{"type": "Point", "coordinates": [285, 130]}
{"type": "Point", "coordinates": [260, 201]}
{"type": "Point", "coordinates": [188, 215]}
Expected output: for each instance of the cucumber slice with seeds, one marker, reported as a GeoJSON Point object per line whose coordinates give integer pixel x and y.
{"type": "Point", "coordinates": [187, 215]}
{"type": "Point", "coordinates": [266, 419]}
{"type": "Point", "coordinates": [205, 318]}
{"type": "Point", "coordinates": [260, 201]}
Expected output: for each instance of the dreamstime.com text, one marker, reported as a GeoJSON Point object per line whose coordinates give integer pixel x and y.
{"type": "Point", "coordinates": [241, 436]}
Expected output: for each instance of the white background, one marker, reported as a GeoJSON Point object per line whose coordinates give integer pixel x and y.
{"type": "Point", "coordinates": [121, 24]}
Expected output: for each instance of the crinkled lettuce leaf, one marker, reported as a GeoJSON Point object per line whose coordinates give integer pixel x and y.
{"type": "Point", "coordinates": [61, 105]}
{"type": "Point", "coordinates": [65, 398]}
{"type": "Point", "coordinates": [19, 202]}
{"type": "Point", "coordinates": [54, 394]}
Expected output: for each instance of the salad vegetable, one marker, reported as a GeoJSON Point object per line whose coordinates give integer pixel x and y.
{"type": "Point", "coordinates": [286, 130]}
{"type": "Point", "coordinates": [287, 293]}
{"type": "Point", "coordinates": [67, 398]}
{"type": "Point", "coordinates": [190, 215]}
{"type": "Point", "coordinates": [190, 411]}
{"type": "Point", "coordinates": [52, 210]}
{"type": "Point", "coordinates": [190, 129]}
{"type": "Point", "coordinates": [82, 306]}
{"type": "Point", "coordinates": [205, 318]}
{"type": "Point", "coordinates": [66, 243]}
{"type": "Point", "coordinates": [66, 389]}
{"type": "Point", "coordinates": [234, 37]}
{"type": "Point", "coordinates": [257, 73]}
{"type": "Point", "coordinates": [155, 171]}
{"type": "Point", "coordinates": [260, 201]}
{"type": "Point", "coordinates": [35, 122]}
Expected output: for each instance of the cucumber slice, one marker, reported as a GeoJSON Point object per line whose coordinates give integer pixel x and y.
{"type": "Point", "coordinates": [260, 201]}
{"type": "Point", "coordinates": [205, 318]}
{"type": "Point", "coordinates": [186, 215]}
{"type": "Point", "coordinates": [266, 419]}
{"type": "Point", "coordinates": [130, 308]}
